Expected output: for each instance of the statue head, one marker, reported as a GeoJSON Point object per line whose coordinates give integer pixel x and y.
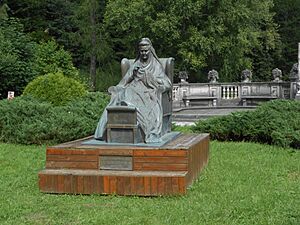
{"type": "Point", "coordinates": [213, 76]}
{"type": "Point", "coordinates": [277, 74]}
{"type": "Point", "coordinates": [145, 50]}
{"type": "Point", "coordinates": [298, 87]}
{"type": "Point", "coordinates": [294, 73]}
{"type": "Point", "coordinates": [246, 75]}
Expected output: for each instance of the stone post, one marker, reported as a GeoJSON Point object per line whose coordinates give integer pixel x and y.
{"type": "Point", "coordinates": [10, 95]}
{"type": "Point", "coordinates": [298, 62]}
{"type": "Point", "coordinates": [297, 96]}
{"type": "Point", "coordinates": [295, 78]}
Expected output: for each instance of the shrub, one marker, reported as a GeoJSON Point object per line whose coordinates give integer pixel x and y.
{"type": "Point", "coordinates": [183, 129]}
{"type": "Point", "coordinates": [27, 120]}
{"type": "Point", "coordinates": [108, 76]}
{"type": "Point", "coordinates": [49, 57]}
{"type": "Point", "coordinates": [276, 122]}
{"type": "Point", "coordinates": [16, 51]}
{"type": "Point", "coordinates": [22, 59]}
{"type": "Point", "coordinates": [55, 88]}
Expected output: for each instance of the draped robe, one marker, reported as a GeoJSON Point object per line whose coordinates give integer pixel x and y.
{"type": "Point", "coordinates": [141, 87]}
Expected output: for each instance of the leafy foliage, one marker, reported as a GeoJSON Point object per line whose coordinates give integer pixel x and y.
{"type": "Point", "coordinates": [201, 34]}
{"type": "Point", "coordinates": [226, 35]}
{"type": "Point", "coordinates": [50, 58]}
{"type": "Point", "coordinates": [27, 120]}
{"type": "Point", "coordinates": [91, 37]}
{"type": "Point", "coordinates": [23, 59]}
{"type": "Point", "coordinates": [108, 76]}
{"type": "Point", "coordinates": [16, 50]}
{"type": "Point", "coordinates": [276, 122]}
{"type": "Point", "coordinates": [287, 16]}
{"type": "Point", "coordinates": [45, 19]}
{"type": "Point", "coordinates": [55, 88]}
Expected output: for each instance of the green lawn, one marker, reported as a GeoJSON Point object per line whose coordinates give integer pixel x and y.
{"type": "Point", "coordinates": [244, 183]}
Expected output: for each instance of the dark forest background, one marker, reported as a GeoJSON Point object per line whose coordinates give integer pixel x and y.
{"type": "Point", "coordinates": [87, 39]}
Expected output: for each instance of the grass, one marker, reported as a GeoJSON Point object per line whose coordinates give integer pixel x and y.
{"type": "Point", "coordinates": [244, 183]}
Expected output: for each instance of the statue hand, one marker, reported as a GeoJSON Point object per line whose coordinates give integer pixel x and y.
{"type": "Point", "coordinates": [135, 71]}
{"type": "Point", "coordinates": [159, 81]}
{"type": "Point", "coordinates": [161, 88]}
{"type": "Point", "coordinates": [114, 89]}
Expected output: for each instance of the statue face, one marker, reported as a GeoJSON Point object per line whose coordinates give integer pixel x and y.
{"type": "Point", "coordinates": [144, 53]}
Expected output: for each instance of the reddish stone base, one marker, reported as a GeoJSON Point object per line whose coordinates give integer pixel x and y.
{"type": "Point", "coordinates": [76, 168]}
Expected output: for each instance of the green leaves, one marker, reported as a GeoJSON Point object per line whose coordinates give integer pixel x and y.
{"type": "Point", "coordinates": [50, 58]}
{"type": "Point", "coordinates": [200, 34]}
{"type": "Point", "coordinates": [276, 122]}
{"type": "Point", "coordinates": [27, 120]}
{"type": "Point", "coordinates": [55, 88]}
{"type": "Point", "coordinates": [16, 50]}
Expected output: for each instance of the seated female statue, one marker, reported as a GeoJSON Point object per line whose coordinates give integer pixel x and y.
{"type": "Point", "coordinates": [141, 87]}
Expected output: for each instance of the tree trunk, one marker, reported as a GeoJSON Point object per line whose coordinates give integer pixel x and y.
{"type": "Point", "coordinates": [93, 47]}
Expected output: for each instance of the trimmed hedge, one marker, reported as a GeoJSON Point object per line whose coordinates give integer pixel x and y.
{"type": "Point", "coordinates": [55, 88]}
{"type": "Point", "coordinates": [276, 122]}
{"type": "Point", "coordinates": [27, 120]}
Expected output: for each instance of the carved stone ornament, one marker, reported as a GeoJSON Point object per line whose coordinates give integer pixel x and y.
{"type": "Point", "coordinates": [213, 76]}
{"type": "Point", "coordinates": [246, 75]}
{"type": "Point", "coordinates": [277, 75]}
{"type": "Point", "coordinates": [294, 73]}
{"type": "Point", "coordinates": [183, 76]}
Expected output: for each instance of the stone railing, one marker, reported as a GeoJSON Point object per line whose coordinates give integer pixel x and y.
{"type": "Point", "coordinates": [220, 94]}
{"type": "Point", "coordinates": [229, 91]}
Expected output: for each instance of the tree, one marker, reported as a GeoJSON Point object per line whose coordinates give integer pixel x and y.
{"type": "Point", "coordinates": [91, 36]}
{"type": "Point", "coordinates": [49, 57]}
{"type": "Point", "coordinates": [3, 10]}
{"type": "Point", "coordinates": [22, 59]}
{"type": "Point", "coordinates": [287, 16]}
{"type": "Point", "coordinates": [45, 19]}
{"type": "Point", "coordinates": [16, 50]}
{"type": "Point", "coordinates": [200, 34]}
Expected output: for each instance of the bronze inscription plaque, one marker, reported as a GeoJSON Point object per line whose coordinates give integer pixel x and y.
{"type": "Point", "coordinates": [115, 162]}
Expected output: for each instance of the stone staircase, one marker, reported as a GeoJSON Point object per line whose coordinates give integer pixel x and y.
{"type": "Point", "coordinates": [193, 114]}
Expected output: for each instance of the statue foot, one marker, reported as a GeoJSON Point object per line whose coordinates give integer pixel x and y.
{"type": "Point", "coordinates": [123, 103]}
{"type": "Point", "coordinates": [153, 139]}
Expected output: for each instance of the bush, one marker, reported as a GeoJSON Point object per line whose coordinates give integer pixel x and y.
{"type": "Point", "coordinates": [49, 57]}
{"type": "Point", "coordinates": [276, 122]}
{"type": "Point", "coordinates": [183, 129]}
{"type": "Point", "coordinates": [22, 59]}
{"type": "Point", "coordinates": [108, 76]}
{"type": "Point", "coordinates": [16, 50]}
{"type": "Point", "coordinates": [55, 88]}
{"type": "Point", "coordinates": [27, 120]}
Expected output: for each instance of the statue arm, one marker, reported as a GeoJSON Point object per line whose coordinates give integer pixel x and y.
{"type": "Point", "coordinates": [127, 78]}
{"type": "Point", "coordinates": [164, 83]}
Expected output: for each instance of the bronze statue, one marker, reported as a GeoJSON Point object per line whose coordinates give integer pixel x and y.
{"type": "Point", "coordinates": [142, 88]}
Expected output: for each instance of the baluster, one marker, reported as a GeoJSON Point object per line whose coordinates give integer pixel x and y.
{"type": "Point", "coordinates": [223, 93]}
{"type": "Point", "coordinates": [228, 92]}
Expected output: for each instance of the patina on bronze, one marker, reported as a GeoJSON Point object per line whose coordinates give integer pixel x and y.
{"type": "Point", "coordinates": [141, 88]}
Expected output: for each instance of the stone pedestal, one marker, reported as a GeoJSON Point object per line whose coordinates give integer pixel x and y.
{"type": "Point", "coordinates": [122, 126]}
{"type": "Point", "coordinates": [79, 168]}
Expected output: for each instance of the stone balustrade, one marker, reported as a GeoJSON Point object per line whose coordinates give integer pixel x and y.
{"type": "Point", "coordinates": [234, 94]}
